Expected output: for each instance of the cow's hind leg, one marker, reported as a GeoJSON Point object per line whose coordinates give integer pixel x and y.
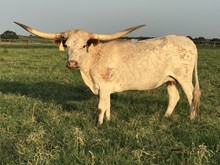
{"type": "Point", "coordinates": [188, 90]}
{"type": "Point", "coordinates": [173, 97]}
{"type": "Point", "coordinates": [104, 106]}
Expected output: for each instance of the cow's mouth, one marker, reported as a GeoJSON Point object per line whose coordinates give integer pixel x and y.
{"type": "Point", "coordinates": [72, 64]}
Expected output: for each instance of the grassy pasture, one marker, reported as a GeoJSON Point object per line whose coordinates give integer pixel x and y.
{"type": "Point", "coordinates": [48, 116]}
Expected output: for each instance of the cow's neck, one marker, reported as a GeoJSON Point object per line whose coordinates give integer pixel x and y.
{"type": "Point", "coordinates": [85, 68]}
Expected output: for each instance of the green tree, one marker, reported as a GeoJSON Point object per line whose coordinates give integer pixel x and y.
{"type": "Point", "coordinates": [9, 35]}
{"type": "Point", "coordinates": [200, 39]}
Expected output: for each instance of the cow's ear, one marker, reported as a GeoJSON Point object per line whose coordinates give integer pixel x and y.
{"type": "Point", "coordinates": [57, 42]}
{"type": "Point", "coordinates": [60, 44]}
{"type": "Point", "coordinates": [94, 42]}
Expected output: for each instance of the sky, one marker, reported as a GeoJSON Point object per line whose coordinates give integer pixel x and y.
{"type": "Point", "coordinates": [196, 18]}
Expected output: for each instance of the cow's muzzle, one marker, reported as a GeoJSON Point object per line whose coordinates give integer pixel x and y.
{"type": "Point", "coordinates": [72, 64]}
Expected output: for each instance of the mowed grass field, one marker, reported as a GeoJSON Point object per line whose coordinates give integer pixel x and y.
{"type": "Point", "coordinates": [49, 116]}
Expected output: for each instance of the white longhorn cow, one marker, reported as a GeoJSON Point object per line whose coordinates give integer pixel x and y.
{"type": "Point", "coordinates": [108, 65]}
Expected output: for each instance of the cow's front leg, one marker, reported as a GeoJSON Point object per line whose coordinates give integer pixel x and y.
{"type": "Point", "coordinates": [104, 106]}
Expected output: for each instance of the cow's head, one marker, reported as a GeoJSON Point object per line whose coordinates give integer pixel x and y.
{"type": "Point", "coordinates": [76, 42]}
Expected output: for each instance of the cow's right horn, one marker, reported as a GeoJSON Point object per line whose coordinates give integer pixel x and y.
{"type": "Point", "coordinates": [41, 34]}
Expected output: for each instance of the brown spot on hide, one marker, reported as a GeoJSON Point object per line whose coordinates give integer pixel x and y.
{"type": "Point", "coordinates": [99, 111]}
{"type": "Point", "coordinates": [107, 74]}
{"type": "Point", "coordinates": [171, 82]}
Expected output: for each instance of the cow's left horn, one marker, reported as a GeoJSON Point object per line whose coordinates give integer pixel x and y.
{"type": "Point", "coordinates": [41, 34]}
{"type": "Point", "coordinates": [115, 35]}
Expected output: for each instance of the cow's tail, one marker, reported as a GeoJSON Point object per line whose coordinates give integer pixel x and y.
{"type": "Point", "coordinates": [196, 92]}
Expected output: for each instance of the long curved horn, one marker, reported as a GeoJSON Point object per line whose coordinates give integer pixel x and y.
{"type": "Point", "coordinates": [115, 35]}
{"type": "Point", "coordinates": [41, 34]}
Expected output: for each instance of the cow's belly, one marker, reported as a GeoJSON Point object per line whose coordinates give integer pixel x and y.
{"type": "Point", "coordinates": [140, 84]}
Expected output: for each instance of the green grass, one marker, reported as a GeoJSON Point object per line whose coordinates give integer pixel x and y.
{"type": "Point", "coordinates": [48, 116]}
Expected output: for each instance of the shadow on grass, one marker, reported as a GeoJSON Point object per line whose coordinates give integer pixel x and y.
{"type": "Point", "coordinates": [68, 94]}
{"type": "Point", "coordinates": [48, 92]}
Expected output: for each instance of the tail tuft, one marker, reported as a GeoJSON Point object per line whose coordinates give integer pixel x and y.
{"type": "Point", "coordinates": [196, 101]}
